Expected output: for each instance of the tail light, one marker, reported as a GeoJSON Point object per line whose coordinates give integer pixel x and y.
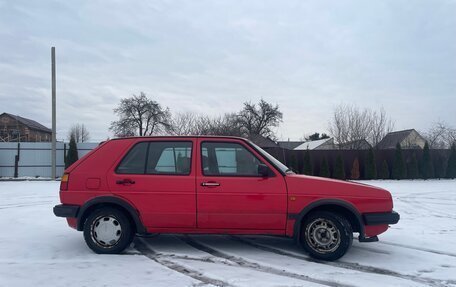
{"type": "Point", "coordinates": [64, 181]}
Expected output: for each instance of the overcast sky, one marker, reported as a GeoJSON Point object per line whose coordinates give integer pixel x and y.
{"type": "Point", "coordinates": [211, 56]}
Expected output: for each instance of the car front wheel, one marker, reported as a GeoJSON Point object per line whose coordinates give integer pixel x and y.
{"type": "Point", "coordinates": [107, 231]}
{"type": "Point", "coordinates": [326, 235]}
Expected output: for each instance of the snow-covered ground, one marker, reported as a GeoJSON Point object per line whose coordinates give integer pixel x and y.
{"type": "Point", "coordinates": [38, 249]}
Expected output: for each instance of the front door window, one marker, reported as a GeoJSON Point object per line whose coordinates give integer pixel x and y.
{"type": "Point", "coordinates": [228, 159]}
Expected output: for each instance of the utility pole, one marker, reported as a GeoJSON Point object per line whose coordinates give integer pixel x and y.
{"type": "Point", "coordinates": [53, 152]}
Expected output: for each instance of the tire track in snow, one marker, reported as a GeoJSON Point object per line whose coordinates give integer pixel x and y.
{"type": "Point", "coordinates": [412, 200]}
{"type": "Point", "coordinates": [420, 206]}
{"type": "Point", "coordinates": [142, 247]}
{"type": "Point", "coordinates": [349, 265]}
{"type": "Point", "coordinates": [371, 249]}
{"type": "Point", "coordinates": [7, 206]}
{"type": "Point", "coordinates": [419, 248]}
{"type": "Point", "coordinates": [255, 266]}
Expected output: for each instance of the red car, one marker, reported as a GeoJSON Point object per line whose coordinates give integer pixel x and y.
{"type": "Point", "coordinates": [213, 185]}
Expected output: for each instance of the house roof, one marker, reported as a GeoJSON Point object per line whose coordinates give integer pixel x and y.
{"type": "Point", "coordinates": [392, 138]}
{"type": "Point", "coordinates": [355, 144]}
{"type": "Point", "coordinates": [289, 144]}
{"type": "Point", "coordinates": [262, 141]}
{"type": "Point", "coordinates": [29, 123]}
{"type": "Point", "coordinates": [312, 144]}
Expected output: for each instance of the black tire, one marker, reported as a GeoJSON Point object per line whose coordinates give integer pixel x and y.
{"type": "Point", "coordinates": [117, 226]}
{"type": "Point", "coordinates": [326, 235]}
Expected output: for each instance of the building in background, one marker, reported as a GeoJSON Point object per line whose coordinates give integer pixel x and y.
{"type": "Point", "coordinates": [355, 145]}
{"type": "Point", "coordinates": [290, 144]}
{"type": "Point", "coordinates": [408, 139]}
{"type": "Point", "coordinates": [323, 144]}
{"type": "Point", "coordinates": [18, 129]}
{"type": "Point", "coordinates": [263, 142]}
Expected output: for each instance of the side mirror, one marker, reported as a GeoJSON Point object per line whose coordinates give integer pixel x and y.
{"type": "Point", "coordinates": [263, 170]}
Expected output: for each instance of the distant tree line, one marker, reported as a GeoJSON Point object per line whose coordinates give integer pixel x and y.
{"type": "Point", "coordinates": [349, 125]}
{"type": "Point", "coordinates": [372, 164]}
{"type": "Point", "coordinates": [139, 115]}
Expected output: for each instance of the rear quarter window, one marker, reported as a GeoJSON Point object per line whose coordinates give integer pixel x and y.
{"type": "Point", "coordinates": [135, 160]}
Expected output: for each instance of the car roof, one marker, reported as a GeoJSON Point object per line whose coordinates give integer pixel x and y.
{"type": "Point", "coordinates": [190, 137]}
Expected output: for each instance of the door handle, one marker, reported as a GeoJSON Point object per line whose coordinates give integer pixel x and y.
{"type": "Point", "coordinates": [125, 181]}
{"type": "Point", "coordinates": [210, 183]}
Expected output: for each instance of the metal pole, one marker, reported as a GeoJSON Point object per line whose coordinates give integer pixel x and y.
{"type": "Point", "coordinates": [16, 160]}
{"type": "Point", "coordinates": [53, 152]}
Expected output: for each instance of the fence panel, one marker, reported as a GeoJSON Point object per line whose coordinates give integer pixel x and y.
{"type": "Point", "coordinates": [35, 158]}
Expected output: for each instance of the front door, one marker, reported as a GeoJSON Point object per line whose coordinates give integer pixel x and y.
{"type": "Point", "coordinates": [230, 192]}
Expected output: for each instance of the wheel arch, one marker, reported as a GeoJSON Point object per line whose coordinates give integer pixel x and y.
{"type": "Point", "coordinates": [110, 201]}
{"type": "Point", "coordinates": [339, 206]}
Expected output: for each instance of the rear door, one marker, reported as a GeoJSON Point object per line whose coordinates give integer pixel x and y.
{"type": "Point", "coordinates": [230, 192]}
{"type": "Point", "coordinates": [158, 178]}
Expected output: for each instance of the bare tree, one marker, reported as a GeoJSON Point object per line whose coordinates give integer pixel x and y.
{"type": "Point", "coordinates": [450, 137]}
{"type": "Point", "coordinates": [381, 125]}
{"type": "Point", "coordinates": [226, 125]}
{"type": "Point", "coordinates": [185, 124]}
{"type": "Point", "coordinates": [440, 135]}
{"type": "Point", "coordinates": [194, 124]}
{"type": "Point", "coordinates": [139, 115]}
{"type": "Point", "coordinates": [260, 119]}
{"type": "Point", "coordinates": [350, 125]}
{"type": "Point", "coordinates": [123, 129]}
{"type": "Point", "coordinates": [252, 119]}
{"type": "Point", "coordinates": [79, 132]}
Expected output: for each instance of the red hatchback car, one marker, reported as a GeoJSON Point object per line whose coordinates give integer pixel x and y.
{"type": "Point", "coordinates": [213, 185]}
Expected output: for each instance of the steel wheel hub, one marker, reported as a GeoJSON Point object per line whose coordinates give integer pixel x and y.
{"type": "Point", "coordinates": [106, 231]}
{"type": "Point", "coordinates": [322, 235]}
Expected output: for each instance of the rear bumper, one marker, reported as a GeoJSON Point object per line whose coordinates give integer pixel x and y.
{"type": "Point", "coordinates": [64, 210]}
{"type": "Point", "coordinates": [381, 218]}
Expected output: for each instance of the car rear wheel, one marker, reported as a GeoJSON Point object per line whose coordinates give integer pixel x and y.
{"type": "Point", "coordinates": [326, 235]}
{"type": "Point", "coordinates": [108, 231]}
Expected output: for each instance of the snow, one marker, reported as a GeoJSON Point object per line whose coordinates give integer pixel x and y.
{"type": "Point", "coordinates": [39, 249]}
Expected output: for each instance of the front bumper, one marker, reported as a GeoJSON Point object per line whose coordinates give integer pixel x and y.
{"type": "Point", "coordinates": [65, 210]}
{"type": "Point", "coordinates": [381, 218]}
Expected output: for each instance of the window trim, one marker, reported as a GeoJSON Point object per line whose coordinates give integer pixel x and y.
{"type": "Point", "coordinates": [147, 159]}
{"type": "Point", "coordinates": [260, 159]}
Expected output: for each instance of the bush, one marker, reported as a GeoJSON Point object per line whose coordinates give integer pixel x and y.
{"type": "Point", "coordinates": [354, 174]}
{"type": "Point", "coordinates": [451, 165]}
{"type": "Point", "coordinates": [339, 170]}
{"type": "Point", "coordinates": [399, 169]}
{"type": "Point", "coordinates": [370, 167]}
{"type": "Point", "coordinates": [427, 168]}
{"type": "Point", "coordinates": [385, 174]}
{"type": "Point", "coordinates": [412, 170]}
{"type": "Point", "coordinates": [307, 166]}
{"type": "Point", "coordinates": [72, 155]}
{"type": "Point", "coordinates": [324, 168]}
{"type": "Point", "coordinates": [293, 164]}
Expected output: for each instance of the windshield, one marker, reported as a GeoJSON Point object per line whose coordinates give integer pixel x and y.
{"type": "Point", "coordinates": [272, 159]}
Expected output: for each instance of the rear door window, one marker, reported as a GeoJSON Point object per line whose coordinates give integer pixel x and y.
{"type": "Point", "coordinates": [169, 158]}
{"type": "Point", "coordinates": [172, 158]}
